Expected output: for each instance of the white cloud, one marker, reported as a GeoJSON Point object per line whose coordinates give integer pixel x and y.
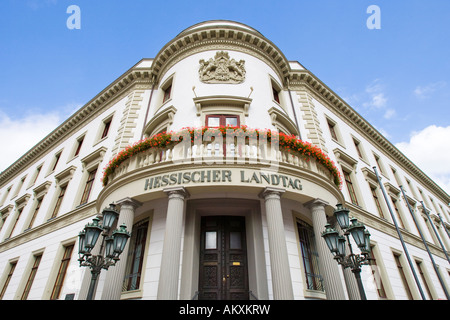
{"type": "Point", "coordinates": [389, 113]}
{"type": "Point", "coordinates": [429, 150]}
{"type": "Point", "coordinates": [377, 98]}
{"type": "Point", "coordinates": [18, 135]}
{"type": "Point", "coordinates": [423, 92]}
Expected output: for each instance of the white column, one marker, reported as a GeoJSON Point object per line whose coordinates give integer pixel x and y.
{"type": "Point", "coordinates": [170, 261]}
{"type": "Point", "coordinates": [115, 274]}
{"type": "Point", "coordinates": [328, 267]}
{"type": "Point", "coordinates": [279, 262]}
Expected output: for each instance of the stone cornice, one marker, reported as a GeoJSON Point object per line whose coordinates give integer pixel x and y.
{"type": "Point", "coordinates": [387, 227]}
{"type": "Point", "coordinates": [134, 76]}
{"type": "Point", "coordinates": [221, 35]}
{"type": "Point", "coordinates": [52, 225]}
{"type": "Point", "coordinates": [300, 79]}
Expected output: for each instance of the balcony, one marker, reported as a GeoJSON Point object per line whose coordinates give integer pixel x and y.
{"type": "Point", "coordinates": [222, 147]}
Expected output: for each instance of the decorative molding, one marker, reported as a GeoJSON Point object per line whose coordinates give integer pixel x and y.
{"type": "Point", "coordinates": [345, 160]}
{"type": "Point", "coordinates": [161, 120]}
{"type": "Point", "coordinates": [67, 219]}
{"type": "Point", "coordinates": [4, 212]}
{"type": "Point", "coordinates": [65, 176]}
{"type": "Point", "coordinates": [128, 121]}
{"type": "Point", "coordinates": [315, 133]}
{"type": "Point", "coordinates": [282, 121]}
{"type": "Point", "coordinates": [22, 201]}
{"type": "Point", "coordinates": [222, 69]}
{"type": "Point", "coordinates": [93, 159]}
{"type": "Point", "coordinates": [392, 190]}
{"type": "Point", "coordinates": [241, 103]}
{"type": "Point", "coordinates": [220, 37]}
{"type": "Point", "coordinates": [41, 189]}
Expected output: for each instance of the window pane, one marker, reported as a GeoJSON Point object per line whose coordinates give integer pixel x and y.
{"type": "Point", "coordinates": [235, 240]}
{"type": "Point", "coordinates": [211, 240]}
{"type": "Point", "coordinates": [213, 121]}
{"type": "Point", "coordinates": [231, 121]}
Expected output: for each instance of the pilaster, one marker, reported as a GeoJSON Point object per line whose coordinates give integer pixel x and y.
{"type": "Point", "coordinates": [328, 267]}
{"type": "Point", "coordinates": [170, 261]}
{"type": "Point", "coordinates": [279, 262]}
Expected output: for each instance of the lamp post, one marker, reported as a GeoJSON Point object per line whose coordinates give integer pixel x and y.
{"type": "Point", "coordinates": [336, 244]}
{"type": "Point", "coordinates": [113, 244]}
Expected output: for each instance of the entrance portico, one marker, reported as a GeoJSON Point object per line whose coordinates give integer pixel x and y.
{"type": "Point", "coordinates": [254, 194]}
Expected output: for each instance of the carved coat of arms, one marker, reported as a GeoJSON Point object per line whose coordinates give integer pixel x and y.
{"type": "Point", "coordinates": [222, 69]}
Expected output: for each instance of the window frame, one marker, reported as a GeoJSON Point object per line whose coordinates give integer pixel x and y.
{"type": "Point", "coordinates": [222, 119]}
{"type": "Point", "coordinates": [88, 186]}
{"type": "Point", "coordinates": [62, 271]}
{"type": "Point", "coordinates": [32, 275]}
{"type": "Point", "coordinates": [310, 258]}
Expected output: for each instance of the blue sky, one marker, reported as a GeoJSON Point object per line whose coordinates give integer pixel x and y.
{"type": "Point", "coordinates": [397, 77]}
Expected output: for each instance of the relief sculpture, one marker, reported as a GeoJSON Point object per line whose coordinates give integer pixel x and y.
{"type": "Point", "coordinates": [222, 69]}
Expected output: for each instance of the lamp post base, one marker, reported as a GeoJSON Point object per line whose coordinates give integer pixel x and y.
{"type": "Point", "coordinates": [357, 273]}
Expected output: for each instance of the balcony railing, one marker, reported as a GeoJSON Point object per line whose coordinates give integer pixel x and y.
{"type": "Point", "coordinates": [216, 150]}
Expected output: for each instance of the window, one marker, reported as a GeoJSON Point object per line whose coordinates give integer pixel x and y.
{"type": "Point", "coordinates": [397, 178]}
{"type": "Point", "coordinates": [350, 187]}
{"type": "Point", "coordinates": [36, 175]}
{"type": "Point", "coordinates": [167, 90]}
{"type": "Point", "coordinates": [397, 213]}
{"type": "Point", "coordinates": [216, 120]}
{"type": "Point", "coordinates": [106, 126]}
{"type": "Point", "coordinates": [377, 202]}
{"type": "Point", "coordinates": [276, 95]}
{"type": "Point", "coordinates": [403, 276]}
{"type": "Point", "coordinates": [59, 201]}
{"type": "Point", "coordinates": [79, 144]}
{"type": "Point", "coordinates": [19, 186]}
{"type": "Point", "coordinates": [62, 272]}
{"type": "Point", "coordinates": [276, 90]}
{"type": "Point", "coordinates": [357, 147]}
{"type": "Point", "coordinates": [26, 291]}
{"type": "Point", "coordinates": [12, 266]}
{"type": "Point", "coordinates": [55, 161]}
{"type": "Point", "coordinates": [376, 276]}
{"type": "Point", "coordinates": [310, 256]}
{"type": "Point", "coordinates": [379, 164]}
{"type": "Point", "coordinates": [5, 196]}
{"type": "Point", "coordinates": [19, 212]}
{"type": "Point", "coordinates": [36, 210]}
{"type": "Point", "coordinates": [167, 93]}
{"type": "Point", "coordinates": [135, 257]}
{"type": "Point", "coordinates": [88, 186]}
{"type": "Point", "coordinates": [411, 188]}
{"type": "Point", "coordinates": [331, 127]}
{"type": "Point", "coordinates": [424, 280]}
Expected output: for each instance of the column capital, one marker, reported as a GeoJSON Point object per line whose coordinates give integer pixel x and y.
{"type": "Point", "coordinates": [179, 192]}
{"type": "Point", "coordinates": [270, 191]}
{"type": "Point", "coordinates": [129, 202]}
{"type": "Point", "coordinates": [316, 203]}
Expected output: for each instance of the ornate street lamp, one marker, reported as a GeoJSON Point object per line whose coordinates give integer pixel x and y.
{"type": "Point", "coordinates": [112, 241]}
{"type": "Point", "coordinates": [336, 244]}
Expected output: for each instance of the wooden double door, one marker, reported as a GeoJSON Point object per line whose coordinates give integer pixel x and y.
{"type": "Point", "coordinates": [223, 259]}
